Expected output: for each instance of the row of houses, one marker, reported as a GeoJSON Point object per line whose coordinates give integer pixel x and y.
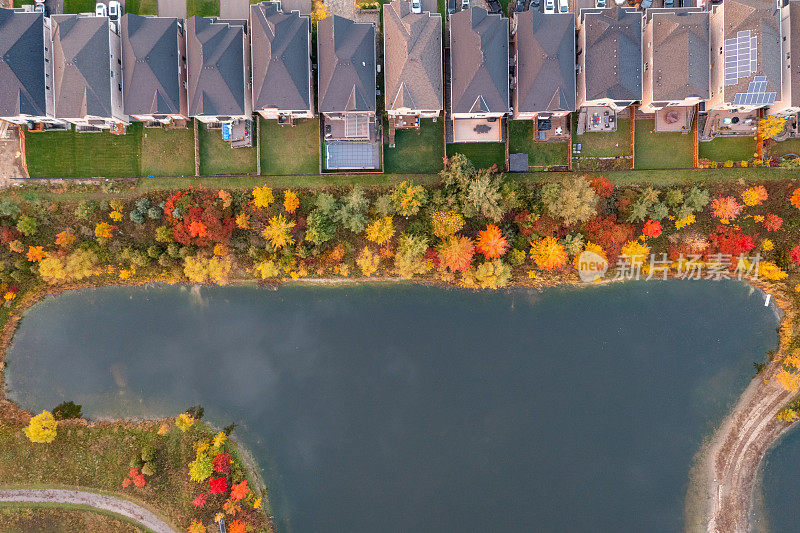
{"type": "Point", "coordinates": [98, 74]}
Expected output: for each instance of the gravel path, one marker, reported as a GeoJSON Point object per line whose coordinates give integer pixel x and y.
{"type": "Point", "coordinates": [91, 499]}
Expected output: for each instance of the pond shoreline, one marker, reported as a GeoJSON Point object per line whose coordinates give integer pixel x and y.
{"type": "Point", "coordinates": [734, 452]}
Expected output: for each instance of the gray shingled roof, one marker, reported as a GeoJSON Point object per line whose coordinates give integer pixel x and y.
{"type": "Point", "coordinates": [478, 62]}
{"type": "Point", "coordinates": [346, 57]}
{"type": "Point", "coordinates": [216, 66]}
{"type": "Point", "coordinates": [22, 88]}
{"type": "Point", "coordinates": [762, 19]}
{"type": "Point", "coordinates": [150, 65]}
{"type": "Point", "coordinates": [681, 60]}
{"type": "Point", "coordinates": [81, 57]}
{"type": "Point", "coordinates": [545, 62]}
{"type": "Point", "coordinates": [412, 45]}
{"type": "Point", "coordinates": [281, 58]}
{"type": "Point", "coordinates": [613, 54]}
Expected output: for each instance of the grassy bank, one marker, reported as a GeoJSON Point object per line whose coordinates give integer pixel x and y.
{"type": "Point", "coordinates": [44, 517]}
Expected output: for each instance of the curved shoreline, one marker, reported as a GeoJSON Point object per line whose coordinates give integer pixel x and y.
{"type": "Point", "coordinates": [726, 472]}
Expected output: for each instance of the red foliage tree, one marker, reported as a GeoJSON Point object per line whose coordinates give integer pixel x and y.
{"type": "Point", "coordinates": [794, 255]}
{"type": "Point", "coordinates": [606, 232]}
{"type": "Point", "coordinates": [772, 222]}
{"type": "Point", "coordinates": [218, 485]}
{"type": "Point", "coordinates": [730, 240]}
{"type": "Point", "coordinates": [652, 228]}
{"type": "Point", "coordinates": [602, 186]}
{"type": "Point", "coordinates": [222, 463]}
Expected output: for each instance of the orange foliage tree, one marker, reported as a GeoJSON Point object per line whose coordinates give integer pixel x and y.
{"type": "Point", "coordinates": [491, 242]}
{"type": "Point", "coordinates": [548, 253]}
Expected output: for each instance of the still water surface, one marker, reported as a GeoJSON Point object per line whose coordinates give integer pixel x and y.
{"type": "Point", "coordinates": [379, 408]}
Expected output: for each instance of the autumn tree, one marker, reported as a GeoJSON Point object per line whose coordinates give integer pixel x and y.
{"type": "Point", "coordinates": [410, 256]}
{"type": "Point", "coordinates": [548, 253]}
{"type": "Point", "coordinates": [408, 198]}
{"type": "Point", "coordinates": [381, 231]}
{"type": "Point", "coordinates": [446, 223]}
{"type": "Point", "coordinates": [455, 253]}
{"type": "Point", "coordinates": [321, 221]}
{"type": "Point", "coordinates": [572, 200]}
{"type": "Point", "coordinates": [368, 261]}
{"type": "Point", "coordinates": [42, 428]}
{"type": "Point", "coordinates": [491, 242]}
{"type": "Point", "coordinates": [278, 231]}
{"type": "Point", "coordinates": [352, 211]}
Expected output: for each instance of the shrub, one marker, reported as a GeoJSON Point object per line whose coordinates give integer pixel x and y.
{"type": "Point", "coordinates": [27, 225]}
{"type": "Point", "coordinates": [572, 200]}
{"type": "Point", "coordinates": [67, 410]}
{"type": "Point", "coordinates": [42, 428]}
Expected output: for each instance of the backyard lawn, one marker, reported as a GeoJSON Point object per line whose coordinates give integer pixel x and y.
{"type": "Point", "coordinates": [789, 146]}
{"type": "Point", "coordinates": [217, 156]}
{"type": "Point", "coordinates": [662, 150]}
{"type": "Point", "coordinates": [168, 152]}
{"type": "Point", "coordinates": [482, 155]}
{"type": "Point", "coordinates": [68, 154]}
{"type": "Point", "coordinates": [142, 7]}
{"type": "Point", "coordinates": [611, 144]}
{"type": "Point", "coordinates": [416, 150]}
{"type": "Point", "coordinates": [540, 154]}
{"type": "Point", "coordinates": [79, 6]}
{"type": "Point", "coordinates": [289, 149]}
{"type": "Point", "coordinates": [203, 8]}
{"type": "Point", "coordinates": [733, 148]}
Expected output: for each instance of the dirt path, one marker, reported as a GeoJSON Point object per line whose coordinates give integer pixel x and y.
{"type": "Point", "coordinates": [736, 450]}
{"type": "Point", "coordinates": [91, 499]}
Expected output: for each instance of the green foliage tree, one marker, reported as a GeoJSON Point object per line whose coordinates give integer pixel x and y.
{"type": "Point", "coordinates": [573, 201]}
{"type": "Point", "coordinates": [27, 225]}
{"type": "Point", "coordinates": [352, 213]}
{"type": "Point", "coordinates": [410, 256]}
{"type": "Point", "coordinates": [67, 410]}
{"type": "Point", "coordinates": [9, 207]}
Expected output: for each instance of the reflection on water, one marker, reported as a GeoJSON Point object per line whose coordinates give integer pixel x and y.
{"type": "Point", "coordinates": [408, 408]}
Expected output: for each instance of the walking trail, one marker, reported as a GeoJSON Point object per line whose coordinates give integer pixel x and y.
{"type": "Point", "coordinates": [98, 501]}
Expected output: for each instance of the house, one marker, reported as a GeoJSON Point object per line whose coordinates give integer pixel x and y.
{"type": "Point", "coordinates": [153, 69]}
{"type": "Point", "coordinates": [412, 51]}
{"type": "Point", "coordinates": [219, 70]}
{"type": "Point", "coordinates": [26, 68]}
{"type": "Point", "coordinates": [677, 63]}
{"type": "Point", "coordinates": [610, 57]}
{"type": "Point", "coordinates": [788, 104]}
{"type": "Point", "coordinates": [746, 55]}
{"type": "Point", "coordinates": [346, 57]}
{"type": "Point", "coordinates": [545, 60]}
{"type": "Point", "coordinates": [87, 78]}
{"type": "Point", "coordinates": [281, 54]}
{"type": "Point", "coordinates": [479, 92]}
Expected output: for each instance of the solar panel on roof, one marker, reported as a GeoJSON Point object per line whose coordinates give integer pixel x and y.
{"type": "Point", "coordinates": [740, 57]}
{"type": "Point", "coordinates": [756, 93]}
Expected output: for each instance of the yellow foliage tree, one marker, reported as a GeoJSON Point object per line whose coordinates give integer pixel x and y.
{"type": "Point", "coordinates": [243, 220]}
{"type": "Point", "coordinates": [548, 253]}
{"type": "Point", "coordinates": [51, 269]}
{"type": "Point", "coordinates": [635, 251]}
{"type": "Point", "coordinates": [277, 232]}
{"type": "Point", "coordinates": [770, 126]}
{"type": "Point", "coordinates": [290, 201]}
{"type": "Point", "coordinates": [368, 261]}
{"type": "Point", "coordinates": [446, 223]}
{"type": "Point", "coordinates": [771, 271]}
{"type": "Point", "coordinates": [263, 197]}
{"type": "Point", "coordinates": [65, 239]}
{"type": "Point", "coordinates": [35, 254]}
{"type": "Point", "coordinates": [381, 231]}
{"type": "Point", "coordinates": [319, 11]}
{"type": "Point", "coordinates": [42, 428]}
{"type": "Point", "coordinates": [267, 269]}
{"type": "Point", "coordinates": [103, 230]}
{"type": "Point", "coordinates": [788, 380]}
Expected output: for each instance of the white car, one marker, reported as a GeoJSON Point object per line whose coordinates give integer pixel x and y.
{"type": "Point", "coordinates": [563, 6]}
{"type": "Point", "coordinates": [416, 6]}
{"type": "Point", "coordinates": [600, 4]}
{"type": "Point", "coordinates": [114, 10]}
{"type": "Point", "coordinates": [549, 6]}
{"type": "Point", "coordinates": [100, 10]}
{"type": "Point", "coordinates": [464, 5]}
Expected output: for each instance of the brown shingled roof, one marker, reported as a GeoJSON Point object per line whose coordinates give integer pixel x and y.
{"type": "Point", "coordinates": [681, 62]}
{"type": "Point", "coordinates": [412, 57]}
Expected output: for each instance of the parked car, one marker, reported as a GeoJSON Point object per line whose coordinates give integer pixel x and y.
{"type": "Point", "coordinates": [114, 10]}
{"type": "Point", "coordinates": [100, 10]}
{"type": "Point", "coordinates": [464, 4]}
{"type": "Point", "coordinates": [519, 7]}
{"type": "Point", "coordinates": [549, 6]}
{"type": "Point", "coordinates": [563, 6]}
{"type": "Point", "coordinates": [669, 3]}
{"type": "Point", "coordinates": [495, 6]}
{"type": "Point", "coordinates": [451, 7]}
{"type": "Point", "coordinates": [39, 8]}
{"type": "Point", "coordinates": [600, 4]}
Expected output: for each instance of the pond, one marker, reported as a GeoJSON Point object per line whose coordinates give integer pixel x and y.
{"type": "Point", "coordinates": [779, 511]}
{"type": "Point", "coordinates": [400, 407]}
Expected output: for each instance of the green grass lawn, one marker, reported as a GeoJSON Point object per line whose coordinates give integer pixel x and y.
{"type": "Point", "coordinates": [62, 517]}
{"type": "Point", "coordinates": [611, 144]}
{"type": "Point", "coordinates": [416, 150]}
{"type": "Point", "coordinates": [168, 152]}
{"type": "Point", "coordinates": [662, 150]}
{"type": "Point", "coordinates": [482, 155]}
{"type": "Point", "coordinates": [789, 146]}
{"type": "Point", "coordinates": [79, 6]}
{"type": "Point", "coordinates": [203, 8]}
{"type": "Point", "coordinates": [217, 156]}
{"type": "Point", "coordinates": [142, 7]}
{"type": "Point", "coordinates": [733, 148]}
{"type": "Point", "coordinates": [20, 3]}
{"type": "Point", "coordinates": [289, 149]}
{"type": "Point", "coordinates": [540, 154]}
{"type": "Point", "coordinates": [68, 154]}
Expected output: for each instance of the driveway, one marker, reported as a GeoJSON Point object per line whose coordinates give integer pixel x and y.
{"type": "Point", "coordinates": [234, 9]}
{"type": "Point", "coordinates": [172, 8]}
{"type": "Point", "coordinates": [11, 157]}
